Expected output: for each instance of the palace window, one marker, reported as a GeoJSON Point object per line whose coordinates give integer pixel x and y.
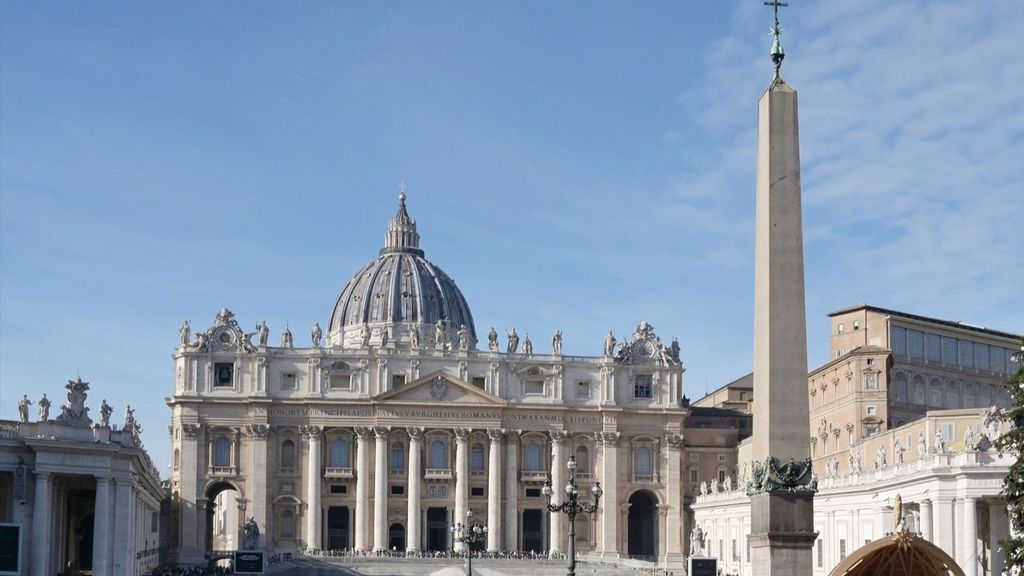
{"type": "Point", "coordinates": [532, 458]}
{"type": "Point", "coordinates": [340, 382]}
{"type": "Point", "coordinates": [642, 386]}
{"type": "Point", "coordinates": [287, 456]}
{"type": "Point", "coordinates": [397, 490]}
{"type": "Point", "coordinates": [841, 328]}
{"type": "Point", "coordinates": [643, 463]}
{"type": "Point", "coordinates": [476, 460]}
{"type": "Point", "coordinates": [871, 410]}
{"type": "Point", "coordinates": [222, 453]}
{"type": "Point", "coordinates": [583, 389]}
{"type": "Point", "coordinates": [438, 455]}
{"type": "Point", "coordinates": [177, 458]}
{"type": "Point", "coordinates": [340, 456]}
{"type": "Point", "coordinates": [223, 374]}
{"type": "Point", "coordinates": [397, 381]}
{"type": "Point", "coordinates": [871, 381]}
{"type": "Point", "coordinates": [582, 459]}
{"type": "Point", "coordinates": [694, 475]}
{"type": "Point", "coordinates": [721, 475]}
{"type": "Point", "coordinates": [476, 491]}
{"type": "Point", "coordinates": [535, 387]}
{"type": "Point", "coordinates": [339, 489]}
{"type": "Point", "coordinates": [856, 324]}
{"type": "Point", "coordinates": [398, 458]}
{"type": "Point", "coordinates": [480, 382]}
{"type": "Point", "coordinates": [289, 381]}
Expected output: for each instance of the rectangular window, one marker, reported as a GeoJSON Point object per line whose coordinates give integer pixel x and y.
{"type": "Point", "coordinates": [397, 489]}
{"type": "Point", "coordinates": [966, 353]}
{"type": "Point", "coordinates": [856, 324]}
{"type": "Point", "coordinates": [289, 381]}
{"type": "Point", "coordinates": [899, 341]}
{"type": "Point", "coordinates": [694, 475]}
{"type": "Point", "coordinates": [397, 381]}
{"type": "Point", "coordinates": [340, 382]}
{"type": "Point", "coordinates": [642, 386]}
{"type": "Point", "coordinates": [476, 491]}
{"type": "Point", "coordinates": [223, 374]}
{"type": "Point", "coordinates": [821, 553]}
{"type": "Point", "coordinates": [981, 356]}
{"type": "Point", "coordinates": [533, 492]}
{"type": "Point", "coordinates": [842, 548]}
{"type": "Point", "coordinates": [339, 489]}
{"type": "Point", "coordinates": [535, 387]}
{"type": "Point", "coordinates": [721, 475]}
{"type": "Point", "coordinates": [948, 350]}
{"type": "Point", "coordinates": [721, 457]}
{"type": "Point", "coordinates": [720, 440]}
{"type": "Point", "coordinates": [933, 347]}
{"type": "Point", "coordinates": [915, 344]}
{"type": "Point", "coordinates": [480, 382]}
{"type": "Point", "coordinates": [841, 327]}
{"type": "Point", "coordinates": [583, 389]}
{"type": "Point", "coordinates": [949, 432]}
{"type": "Point", "coordinates": [871, 431]}
{"type": "Point", "coordinates": [872, 410]}
{"type": "Point", "coordinates": [998, 361]}
{"type": "Point", "coordinates": [735, 551]}
{"type": "Point", "coordinates": [154, 521]}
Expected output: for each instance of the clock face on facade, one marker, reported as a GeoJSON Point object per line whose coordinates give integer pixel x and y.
{"type": "Point", "coordinates": [224, 337]}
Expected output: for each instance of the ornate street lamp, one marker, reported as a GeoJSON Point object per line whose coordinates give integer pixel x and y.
{"type": "Point", "coordinates": [469, 534]}
{"type": "Point", "coordinates": [572, 506]}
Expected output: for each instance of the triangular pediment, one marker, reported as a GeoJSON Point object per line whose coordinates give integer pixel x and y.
{"type": "Point", "coordinates": [439, 387]}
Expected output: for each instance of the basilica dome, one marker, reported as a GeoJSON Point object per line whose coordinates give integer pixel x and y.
{"type": "Point", "coordinates": [399, 293]}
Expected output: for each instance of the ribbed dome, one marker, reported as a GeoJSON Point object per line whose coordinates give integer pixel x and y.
{"type": "Point", "coordinates": [401, 291]}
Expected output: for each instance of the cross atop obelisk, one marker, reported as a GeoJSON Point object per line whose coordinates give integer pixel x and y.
{"type": "Point", "coordinates": [782, 489]}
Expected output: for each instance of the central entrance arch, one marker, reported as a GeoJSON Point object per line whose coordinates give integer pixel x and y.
{"type": "Point", "coordinates": [223, 522]}
{"type": "Point", "coordinates": [642, 526]}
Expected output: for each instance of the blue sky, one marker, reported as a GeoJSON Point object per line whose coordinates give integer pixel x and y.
{"type": "Point", "coordinates": [574, 166]}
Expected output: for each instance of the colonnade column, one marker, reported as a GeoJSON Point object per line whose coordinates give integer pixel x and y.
{"type": "Point", "coordinates": [412, 532]}
{"type": "Point", "coordinates": [925, 507]}
{"type": "Point", "coordinates": [380, 490]}
{"type": "Point", "coordinates": [257, 476]}
{"type": "Point", "coordinates": [461, 479]}
{"type": "Point", "coordinates": [362, 485]}
{"type": "Point", "coordinates": [998, 530]}
{"type": "Point", "coordinates": [101, 528]}
{"type": "Point", "coordinates": [313, 539]}
{"type": "Point", "coordinates": [41, 541]}
{"type": "Point", "coordinates": [494, 491]}
{"type": "Point", "coordinates": [123, 533]}
{"type": "Point", "coordinates": [558, 469]}
{"type": "Point", "coordinates": [511, 515]}
{"type": "Point", "coordinates": [673, 480]}
{"type": "Point", "coordinates": [969, 537]}
{"type": "Point", "coordinates": [610, 502]}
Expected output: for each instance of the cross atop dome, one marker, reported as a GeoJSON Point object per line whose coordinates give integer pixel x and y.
{"type": "Point", "coordinates": [401, 235]}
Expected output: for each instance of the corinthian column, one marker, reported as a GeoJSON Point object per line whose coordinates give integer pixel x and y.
{"type": "Point", "coordinates": [313, 539]}
{"type": "Point", "coordinates": [412, 535]}
{"type": "Point", "coordinates": [558, 468]}
{"type": "Point", "coordinates": [41, 509]}
{"type": "Point", "coordinates": [362, 485]}
{"type": "Point", "coordinates": [511, 516]}
{"type": "Point", "coordinates": [380, 490]}
{"type": "Point", "coordinates": [610, 502]}
{"type": "Point", "coordinates": [461, 479]}
{"type": "Point", "coordinates": [494, 491]}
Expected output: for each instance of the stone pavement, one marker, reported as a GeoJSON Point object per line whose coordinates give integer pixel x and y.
{"type": "Point", "coordinates": [440, 567]}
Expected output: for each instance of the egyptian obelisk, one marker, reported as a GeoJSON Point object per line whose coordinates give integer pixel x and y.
{"type": "Point", "coordinates": [782, 490]}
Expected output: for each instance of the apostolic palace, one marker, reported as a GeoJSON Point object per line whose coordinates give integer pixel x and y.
{"type": "Point", "coordinates": [394, 422]}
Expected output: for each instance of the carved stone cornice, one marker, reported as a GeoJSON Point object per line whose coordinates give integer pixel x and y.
{"type": "Point", "coordinates": [495, 434]}
{"type": "Point", "coordinates": [610, 438]}
{"type": "Point", "coordinates": [191, 431]}
{"type": "Point", "coordinates": [312, 432]}
{"type": "Point", "coordinates": [674, 441]}
{"type": "Point", "coordinates": [260, 431]}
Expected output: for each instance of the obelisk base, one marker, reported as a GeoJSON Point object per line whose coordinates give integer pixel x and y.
{"type": "Point", "coordinates": [782, 533]}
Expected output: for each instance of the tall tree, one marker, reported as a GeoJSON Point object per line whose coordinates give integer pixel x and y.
{"type": "Point", "coordinates": [1012, 442]}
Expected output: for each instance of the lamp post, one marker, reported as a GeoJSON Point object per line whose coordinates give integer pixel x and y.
{"type": "Point", "coordinates": [572, 506]}
{"type": "Point", "coordinates": [469, 534]}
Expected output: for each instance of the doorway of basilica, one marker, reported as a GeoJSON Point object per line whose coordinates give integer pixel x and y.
{"type": "Point", "coordinates": [337, 528]}
{"type": "Point", "coordinates": [437, 529]}
{"type": "Point", "coordinates": [641, 526]}
{"type": "Point", "coordinates": [533, 530]}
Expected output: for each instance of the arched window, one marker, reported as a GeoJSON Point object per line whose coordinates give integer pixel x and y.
{"type": "Point", "coordinates": [340, 454]}
{"type": "Point", "coordinates": [438, 455]}
{"type": "Point", "coordinates": [919, 391]}
{"type": "Point", "coordinates": [476, 461]}
{"type": "Point", "coordinates": [287, 455]}
{"type": "Point", "coordinates": [287, 524]}
{"type": "Point", "coordinates": [582, 459]}
{"type": "Point", "coordinates": [643, 461]}
{"type": "Point", "coordinates": [398, 457]}
{"type": "Point", "coordinates": [222, 453]}
{"type": "Point", "coordinates": [177, 458]}
{"type": "Point", "coordinates": [532, 456]}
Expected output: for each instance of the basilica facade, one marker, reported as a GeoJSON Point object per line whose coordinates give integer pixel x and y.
{"type": "Point", "coordinates": [395, 422]}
